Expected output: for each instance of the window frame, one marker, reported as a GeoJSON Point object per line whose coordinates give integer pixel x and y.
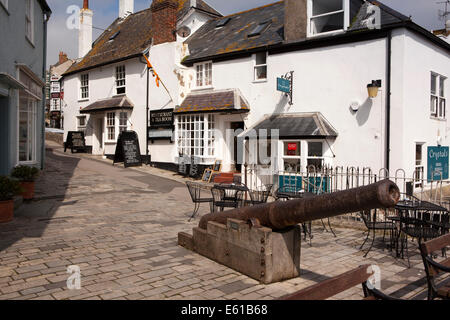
{"type": "Point", "coordinates": [308, 157]}
{"type": "Point", "coordinates": [419, 168]}
{"type": "Point", "coordinates": [292, 157]}
{"type": "Point", "coordinates": [203, 74]}
{"type": "Point", "coordinates": [346, 23]}
{"type": "Point", "coordinates": [84, 86]}
{"type": "Point", "coordinates": [81, 127]}
{"type": "Point", "coordinates": [110, 127]}
{"type": "Point", "coordinates": [120, 83]}
{"type": "Point", "coordinates": [437, 98]}
{"type": "Point", "coordinates": [29, 21]}
{"type": "Point", "coordinates": [55, 104]}
{"type": "Point", "coordinates": [256, 66]}
{"type": "Point", "coordinates": [187, 133]}
{"type": "Point", "coordinates": [31, 111]}
{"type": "Point", "coordinates": [55, 87]}
{"type": "Point", "coordinates": [123, 127]}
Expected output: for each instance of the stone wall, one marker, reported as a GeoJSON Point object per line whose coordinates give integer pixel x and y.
{"type": "Point", "coordinates": [56, 137]}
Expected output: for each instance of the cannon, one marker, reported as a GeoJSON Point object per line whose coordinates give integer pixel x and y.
{"type": "Point", "coordinates": [263, 241]}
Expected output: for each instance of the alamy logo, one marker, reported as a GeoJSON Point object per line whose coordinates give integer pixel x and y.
{"type": "Point", "coordinates": [73, 21]}
{"type": "Point", "coordinates": [74, 280]}
{"type": "Point", "coordinates": [373, 17]}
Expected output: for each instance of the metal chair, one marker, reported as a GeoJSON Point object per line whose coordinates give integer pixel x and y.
{"type": "Point", "coordinates": [195, 191]}
{"type": "Point", "coordinates": [372, 225]}
{"type": "Point", "coordinates": [226, 198]}
{"type": "Point", "coordinates": [261, 195]}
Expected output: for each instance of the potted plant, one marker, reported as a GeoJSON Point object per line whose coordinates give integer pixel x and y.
{"type": "Point", "coordinates": [8, 189]}
{"type": "Point", "coordinates": [26, 176]}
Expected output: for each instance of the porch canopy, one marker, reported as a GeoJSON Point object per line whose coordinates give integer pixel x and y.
{"type": "Point", "coordinates": [311, 125]}
{"type": "Point", "coordinates": [227, 101]}
{"type": "Point", "coordinates": [109, 104]}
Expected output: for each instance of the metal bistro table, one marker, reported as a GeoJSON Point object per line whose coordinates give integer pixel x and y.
{"type": "Point", "coordinates": [418, 219]}
{"type": "Point", "coordinates": [228, 195]}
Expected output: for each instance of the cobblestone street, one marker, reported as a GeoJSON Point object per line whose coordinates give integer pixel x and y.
{"type": "Point", "coordinates": [120, 227]}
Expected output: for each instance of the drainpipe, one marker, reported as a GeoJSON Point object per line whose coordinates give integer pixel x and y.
{"type": "Point", "coordinates": [146, 118]}
{"type": "Point", "coordinates": [44, 69]}
{"type": "Point", "coordinates": [388, 99]}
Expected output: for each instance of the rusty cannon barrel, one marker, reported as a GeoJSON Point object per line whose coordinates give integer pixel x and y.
{"type": "Point", "coordinates": [279, 215]}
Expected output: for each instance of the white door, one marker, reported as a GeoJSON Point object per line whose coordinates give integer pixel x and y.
{"type": "Point", "coordinates": [98, 137]}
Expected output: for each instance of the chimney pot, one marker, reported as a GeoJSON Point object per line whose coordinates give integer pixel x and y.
{"type": "Point", "coordinates": [126, 7]}
{"type": "Point", "coordinates": [86, 4]}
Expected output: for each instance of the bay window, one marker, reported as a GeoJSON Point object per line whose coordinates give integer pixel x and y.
{"type": "Point", "coordinates": [438, 102]}
{"type": "Point", "coordinates": [123, 122]}
{"type": "Point", "coordinates": [315, 156]}
{"type": "Point", "coordinates": [292, 156]}
{"type": "Point", "coordinates": [195, 135]}
{"type": "Point", "coordinates": [327, 16]}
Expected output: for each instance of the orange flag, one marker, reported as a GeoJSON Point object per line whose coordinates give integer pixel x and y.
{"type": "Point", "coordinates": [149, 65]}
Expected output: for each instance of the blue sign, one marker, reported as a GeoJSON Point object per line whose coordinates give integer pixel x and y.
{"type": "Point", "coordinates": [438, 159]}
{"type": "Point", "coordinates": [283, 85]}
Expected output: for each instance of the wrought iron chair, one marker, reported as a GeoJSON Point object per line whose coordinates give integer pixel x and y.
{"type": "Point", "coordinates": [195, 191]}
{"type": "Point", "coordinates": [261, 195]}
{"type": "Point", "coordinates": [372, 225]}
{"type": "Point", "coordinates": [226, 198]}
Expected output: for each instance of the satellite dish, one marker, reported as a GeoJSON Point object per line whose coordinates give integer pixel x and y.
{"type": "Point", "coordinates": [184, 32]}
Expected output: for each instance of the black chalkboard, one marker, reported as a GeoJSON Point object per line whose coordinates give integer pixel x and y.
{"type": "Point", "coordinates": [217, 165]}
{"type": "Point", "coordinates": [75, 141]}
{"type": "Point", "coordinates": [127, 149]}
{"type": "Point", "coordinates": [193, 170]}
{"type": "Point", "coordinates": [207, 175]}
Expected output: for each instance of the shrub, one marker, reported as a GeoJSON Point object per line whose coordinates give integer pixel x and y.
{"type": "Point", "coordinates": [8, 188]}
{"type": "Point", "coordinates": [25, 173]}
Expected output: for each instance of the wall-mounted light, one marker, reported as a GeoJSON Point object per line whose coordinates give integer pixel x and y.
{"type": "Point", "coordinates": [373, 88]}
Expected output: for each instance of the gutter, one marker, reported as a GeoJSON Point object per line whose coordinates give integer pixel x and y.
{"type": "Point", "coordinates": [47, 15]}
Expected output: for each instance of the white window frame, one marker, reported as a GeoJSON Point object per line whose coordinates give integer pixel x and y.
{"type": "Point", "coordinates": [199, 129]}
{"type": "Point", "coordinates": [55, 104]}
{"type": "Point", "coordinates": [29, 20]}
{"type": "Point", "coordinates": [120, 79]}
{"type": "Point", "coordinates": [31, 111]}
{"type": "Point", "coordinates": [257, 66]}
{"type": "Point", "coordinates": [55, 87]}
{"type": "Point", "coordinates": [84, 84]}
{"type": "Point", "coordinates": [287, 157]}
{"type": "Point", "coordinates": [437, 99]}
{"type": "Point", "coordinates": [308, 157]}
{"type": "Point", "coordinates": [203, 75]}
{"type": "Point", "coordinates": [80, 126]}
{"type": "Point", "coordinates": [111, 127]}
{"type": "Point", "coordinates": [345, 10]}
{"type": "Point", "coordinates": [122, 126]}
{"type": "Point", "coordinates": [419, 166]}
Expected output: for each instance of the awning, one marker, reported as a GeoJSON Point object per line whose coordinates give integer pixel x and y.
{"type": "Point", "coordinates": [229, 101]}
{"type": "Point", "coordinates": [296, 126]}
{"type": "Point", "coordinates": [110, 104]}
{"type": "Point", "coordinates": [11, 81]}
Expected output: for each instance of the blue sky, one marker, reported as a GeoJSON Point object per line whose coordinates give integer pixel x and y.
{"type": "Point", "coordinates": [423, 12]}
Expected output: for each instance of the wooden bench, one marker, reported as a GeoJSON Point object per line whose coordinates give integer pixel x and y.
{"type": "Point", "coordinates": [331, 287]}
{"type": "Point", "coordinates": [433, 269]}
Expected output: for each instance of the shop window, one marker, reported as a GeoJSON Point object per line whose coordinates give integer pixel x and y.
{"type": "Point", "coordinates": [192, 138]}
{"type": "Point", "coordinates": [120, 80]}
{"type": "Point", "coordinates": [27, 129]}
{"type": "Point", "coordinates": [292, 157]}
{"type": "Point", "coordinates": [438, 102]}
{"type": "Point", "coordinates": [260, 66]}
{"type": "Point", "coordinates": [327, 16]}
{"type": "Point", "coordinates": [204, 74]}
{"type": "Point", "coordinates": [315, 156]}
{"type": "Point", "coordinates": [111, 125]}
{"type": "Point", "coordinates": [123, 122]}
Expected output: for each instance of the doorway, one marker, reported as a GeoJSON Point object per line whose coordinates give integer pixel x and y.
{"type": "Point", "coordinates": [98, 147]}
{"type": "Point", "coordinates": [236, 126]}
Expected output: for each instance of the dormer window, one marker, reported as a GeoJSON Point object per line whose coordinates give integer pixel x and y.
{"type": "Point", "coordinates": [260, 28]}
{"type": "Point", "coordinates": [327, 16]}
{"type": "Point", "coordinates": [222, 22]}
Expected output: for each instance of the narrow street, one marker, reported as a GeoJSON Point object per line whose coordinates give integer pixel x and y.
{"type": "Point", "coordinates": [120, 227]}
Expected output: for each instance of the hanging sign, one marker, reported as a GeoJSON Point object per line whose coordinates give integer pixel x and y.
{"type": "Point", "coordinates": [438, 163]}
{"type": "Point", "coordinates": [283, 85]}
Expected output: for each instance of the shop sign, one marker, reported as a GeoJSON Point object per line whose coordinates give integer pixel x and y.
{"type": "Point", "coordinates": [161, 118]}
{"type": "Point", "coordinates": [438, 163]}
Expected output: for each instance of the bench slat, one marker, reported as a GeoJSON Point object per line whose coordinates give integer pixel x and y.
{"type": "Point", "coordinates": [436, 244]}
{"type": "Point", "coordinates": [333, 286]}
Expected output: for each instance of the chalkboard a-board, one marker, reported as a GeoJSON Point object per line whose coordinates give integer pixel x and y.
{"type": "Point", "coordinates": [127, 149]}
{"type": "Point", "coordinates": [207, 175]}
{"type": "Point", "coordinates": [75, 141]}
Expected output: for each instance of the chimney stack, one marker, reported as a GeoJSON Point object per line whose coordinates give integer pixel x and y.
{"type": "Point", "coordinates": [164, 21]}
{"type": "Point", "coordinates": [194, 3]}
{"type": "Point", "coordinates": [62, 57]}
{"type": "Point", "coordinates": [126, 7]}
{"type": "Point", "coordinates": [295, 20]}
{"type": "Point", "coordinates": [85, 32]}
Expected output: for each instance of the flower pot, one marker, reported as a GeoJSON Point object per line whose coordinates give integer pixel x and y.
{"type": "Point", "coordinates": [6, 210]}
{"type": "Point", "coordinates": [28, 190]}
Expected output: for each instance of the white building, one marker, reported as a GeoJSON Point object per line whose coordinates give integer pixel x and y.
{"type": "Point", "coordinates": [221, 73]}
